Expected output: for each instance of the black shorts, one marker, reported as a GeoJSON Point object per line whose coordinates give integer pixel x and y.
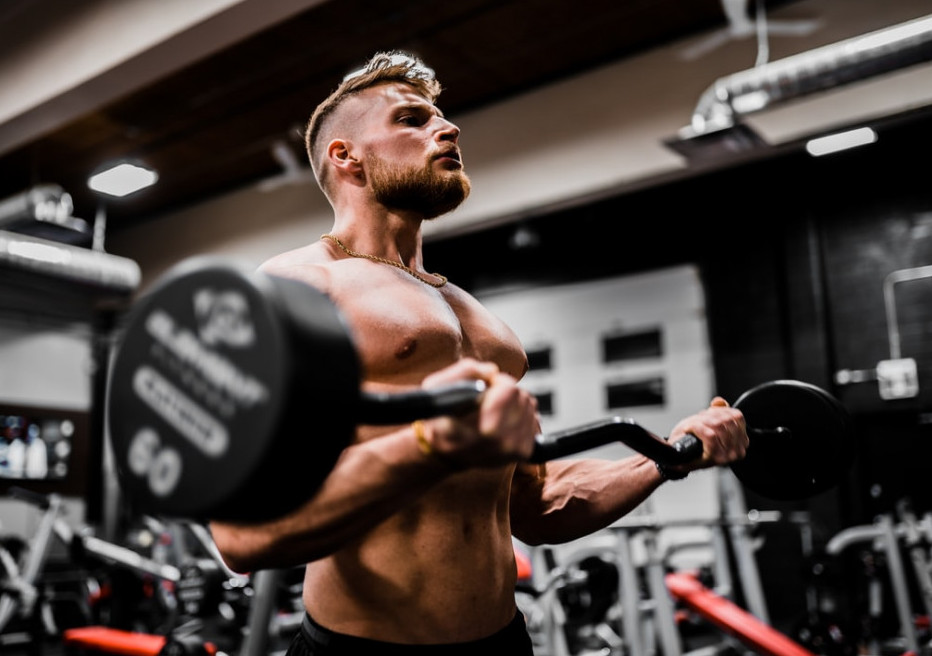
{"type": "Point", "coordinates": [315, 640]}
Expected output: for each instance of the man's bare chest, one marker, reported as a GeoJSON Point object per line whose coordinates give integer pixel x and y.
{"type": "Point", "coordinates": [401, 336]}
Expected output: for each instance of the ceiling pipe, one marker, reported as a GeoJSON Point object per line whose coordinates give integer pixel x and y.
{"type": "Point", "coordinates": [828, 67]}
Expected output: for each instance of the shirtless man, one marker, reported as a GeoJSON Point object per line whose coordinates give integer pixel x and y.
{"type": "Point", "coordinates": [409, 540]}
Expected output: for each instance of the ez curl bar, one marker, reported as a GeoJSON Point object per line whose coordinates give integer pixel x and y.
{"type": "Point", "coordinates": [227, 382]}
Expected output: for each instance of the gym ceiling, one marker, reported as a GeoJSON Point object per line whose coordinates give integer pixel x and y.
{"type": "Point", "coordinates": [216, 101]}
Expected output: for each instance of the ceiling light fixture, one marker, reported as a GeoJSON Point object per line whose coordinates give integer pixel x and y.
{"type": "Point", "coordinates": [833, 143]}
{"type": "Point", "coordinates": [122, 179]}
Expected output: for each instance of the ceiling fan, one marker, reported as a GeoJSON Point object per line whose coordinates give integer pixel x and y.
{"type": "Point", "coordinates": [742, 25]}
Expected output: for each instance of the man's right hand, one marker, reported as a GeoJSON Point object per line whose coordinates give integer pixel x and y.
{"type": "Point", "coordinates": [502, 430]}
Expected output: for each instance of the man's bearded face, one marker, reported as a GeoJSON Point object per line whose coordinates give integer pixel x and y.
{"type": "Point", "coordinates": [418, 189]}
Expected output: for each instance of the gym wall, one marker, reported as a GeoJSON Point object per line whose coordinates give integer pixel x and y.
{"type": "Point", "coordinates": [633, 346]}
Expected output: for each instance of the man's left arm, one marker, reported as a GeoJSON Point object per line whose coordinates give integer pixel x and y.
{"type": "Point", "coordinates": [563, 500]}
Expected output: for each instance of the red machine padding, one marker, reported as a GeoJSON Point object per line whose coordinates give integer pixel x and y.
{"type": "Point", "coordinates": [116, 641]}
{"type": "Point", "coordinates": [732, 618]}
{"type": "Point", "coordinates": [523, 562]}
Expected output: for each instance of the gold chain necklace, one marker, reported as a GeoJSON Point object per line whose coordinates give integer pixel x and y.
{"type": "Point", "coordinates": [376, 258]}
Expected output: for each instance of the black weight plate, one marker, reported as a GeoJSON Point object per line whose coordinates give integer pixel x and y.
{"type": "Point", "coordinates": [811, 457]}
{"type": "Point", "coordinates": [210, 393]}
{"type": "Point", "coordinates": [323, 400]}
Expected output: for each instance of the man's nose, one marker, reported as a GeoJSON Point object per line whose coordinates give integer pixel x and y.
{"type": "Point", "coordinates": [448, 131]}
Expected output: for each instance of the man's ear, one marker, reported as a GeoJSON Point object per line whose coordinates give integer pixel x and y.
{"type": "Point", "coordinates": [339, 152]}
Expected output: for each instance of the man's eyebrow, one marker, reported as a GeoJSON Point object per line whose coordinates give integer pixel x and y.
{"type": "Point", "coordinates": [420, 107]}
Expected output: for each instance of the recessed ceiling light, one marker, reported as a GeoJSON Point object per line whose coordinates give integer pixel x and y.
{"type": "Point", "coordinates": [833, 143]}
{"type": "Point", "coordinates": [122, 179]}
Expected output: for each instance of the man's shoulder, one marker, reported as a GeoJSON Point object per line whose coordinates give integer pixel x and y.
{"type": "Point", "coordinates": [308, 263]}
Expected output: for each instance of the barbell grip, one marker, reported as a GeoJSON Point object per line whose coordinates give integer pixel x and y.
{"type": "Point", "coordinates": [388, 408]}
{"type": "Point", "coordinates": [616, 429]}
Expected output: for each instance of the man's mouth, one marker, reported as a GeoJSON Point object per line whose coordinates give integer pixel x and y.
{"type": "Point", "coordinates": [450, 154]}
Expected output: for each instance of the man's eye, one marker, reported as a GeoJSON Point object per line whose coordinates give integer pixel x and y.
{"type": "Point", "coordinates": [410, 120]}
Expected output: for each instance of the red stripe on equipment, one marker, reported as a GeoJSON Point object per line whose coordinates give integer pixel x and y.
{"type": "Point", "coordinates": [732, 618]}
{"type": "Point", "coordinates": [523, 562]}
{"type": "Point", "coordinates": [116, 641]}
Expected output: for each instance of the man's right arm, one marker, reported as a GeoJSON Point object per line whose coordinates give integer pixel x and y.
{"type": "Point", "coordinates": [371, 480]}
{"type": "Point", "coordinates": [377, 476]}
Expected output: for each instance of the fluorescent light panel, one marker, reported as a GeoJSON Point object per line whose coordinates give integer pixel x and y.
{"type": "Point", "coordinates": [840, 141]}
{"type": "Point", "coordinates": [122, 179]}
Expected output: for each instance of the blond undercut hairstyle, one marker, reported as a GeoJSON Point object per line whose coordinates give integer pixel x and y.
{"type": "Point", "coordinates": [382, 68]}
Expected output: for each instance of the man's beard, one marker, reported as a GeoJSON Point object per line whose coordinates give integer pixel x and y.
{"type": "Point", "coordinates": [417, 190]}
